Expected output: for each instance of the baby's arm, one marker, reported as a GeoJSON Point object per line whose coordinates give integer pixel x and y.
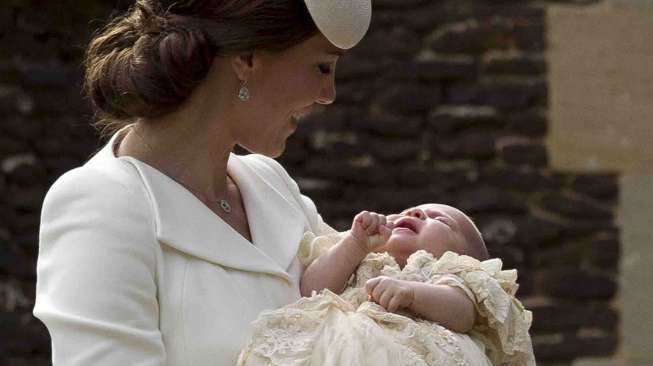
{"type": "Point", "coordinates": [332, 269]}
{"type": "Point", "coordinates": [445, 305]}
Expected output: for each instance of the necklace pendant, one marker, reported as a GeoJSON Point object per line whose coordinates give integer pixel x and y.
{"type": "Point", "coordinates": [225, 206]}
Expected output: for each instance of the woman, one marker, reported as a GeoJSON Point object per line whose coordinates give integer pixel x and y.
{"type": "Point", "coordinates": [165, 246]}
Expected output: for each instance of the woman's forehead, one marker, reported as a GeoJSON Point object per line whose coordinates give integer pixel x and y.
{"type": "Point", "coordinates": [318, 43]}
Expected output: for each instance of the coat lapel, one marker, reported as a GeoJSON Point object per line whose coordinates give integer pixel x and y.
{"type": "Point", "coordinates": [275, 222]}
{"type": "Point", "coordinates": [186, 224]}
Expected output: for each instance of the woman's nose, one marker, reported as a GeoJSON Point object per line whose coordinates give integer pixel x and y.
{"type": "Point", "coordinates": [416, 212]}
{"type": "Point", "coordinates": [328, 93]}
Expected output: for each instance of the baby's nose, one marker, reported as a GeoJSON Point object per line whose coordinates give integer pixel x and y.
{"type": "Point", "coordinates": [416, 212]}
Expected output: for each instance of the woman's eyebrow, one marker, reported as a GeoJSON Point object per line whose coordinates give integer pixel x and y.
{"type": "Point", "coordinates": [337, 52]}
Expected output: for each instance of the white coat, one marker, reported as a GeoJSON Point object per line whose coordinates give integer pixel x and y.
{"type": "Point", "coordinates": [135, 270]}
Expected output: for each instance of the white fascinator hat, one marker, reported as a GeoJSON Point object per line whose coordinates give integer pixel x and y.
{"type": "Point", "coordinates": [342, 22]}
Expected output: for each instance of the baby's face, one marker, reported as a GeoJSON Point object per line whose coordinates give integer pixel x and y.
{"type": "Point", "coordinates": [435, 228]}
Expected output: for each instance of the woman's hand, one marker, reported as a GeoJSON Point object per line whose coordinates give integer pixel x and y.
{"type": "Point", "coordinates": [370, 230]}
{"type": "Point", "coordinates": [390, 293]}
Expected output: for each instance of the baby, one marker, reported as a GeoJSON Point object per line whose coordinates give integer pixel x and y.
{"type": "Point", "coordinates": [414, 289]}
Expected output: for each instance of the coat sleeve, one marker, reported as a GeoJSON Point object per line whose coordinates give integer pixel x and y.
{"type": "Point", "coordinates": [96, 286]}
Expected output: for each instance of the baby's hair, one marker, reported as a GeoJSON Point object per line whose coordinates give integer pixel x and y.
{"type": "Point", "coordinates": [476, 244]}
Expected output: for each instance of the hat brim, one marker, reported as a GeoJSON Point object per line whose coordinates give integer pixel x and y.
{"type": "Point", "coordinates": [343, 22]}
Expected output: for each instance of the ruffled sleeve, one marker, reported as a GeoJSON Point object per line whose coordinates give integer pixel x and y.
{"type": "Point", "coordinates": [314, 245]}
{"type": "Point", "coordinates": [503, 323]}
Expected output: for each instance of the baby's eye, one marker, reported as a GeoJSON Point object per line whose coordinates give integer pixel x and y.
{"type": "Point", "coordinates": [445, 220]}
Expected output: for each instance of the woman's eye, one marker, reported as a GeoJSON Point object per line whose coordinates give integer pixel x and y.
{"type": "Point", "coordinates": [325, 69]}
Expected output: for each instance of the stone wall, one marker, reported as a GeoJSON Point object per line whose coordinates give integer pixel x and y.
{"type": "Point", "coordinates": [444, 101]}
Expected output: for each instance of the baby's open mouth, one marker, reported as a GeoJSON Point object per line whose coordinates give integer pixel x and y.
{"type": "Point", "coordinates": [406, 223]}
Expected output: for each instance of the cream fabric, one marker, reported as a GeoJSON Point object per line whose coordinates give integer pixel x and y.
{"type": "Point", "coordinates": [134, 270]}
{"type": "Point", "coordinates": [330, 330]}
{"type": "Point", "coordinates": [342, 22]}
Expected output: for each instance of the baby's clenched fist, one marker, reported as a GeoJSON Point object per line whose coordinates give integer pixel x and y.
{"type": "Point", "coordinates": [370, 230]}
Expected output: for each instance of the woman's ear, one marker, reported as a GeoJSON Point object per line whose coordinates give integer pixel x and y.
{"type": "Point", "coordinates": [243, 65]}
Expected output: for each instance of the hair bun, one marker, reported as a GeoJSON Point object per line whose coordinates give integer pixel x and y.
{"type": "Point", "coordinates": [145, 64]}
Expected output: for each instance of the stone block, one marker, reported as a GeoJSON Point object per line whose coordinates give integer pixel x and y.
{"type": "Point", "coordinates": [484, 198]}
{"type": "Point", "coordinates": [435, 14]}
{"type": "Point", "coordinates": [398, 4]}
{"type": "Point", "coordinates": [472, 143]}
{"type": "Point", "coordinates": [56, 102]}
{"type": "Point", "coordinates": [27, 175]}
{"type": "Point", "coordinates": [11, 146]}
{"type": "Point", "coordinates": [512, 258]}
{"type": "Point", "coordinates": [600, 186]}
{"type": "Point", "coordinates": [498, 231]}
{"type": "Point", "coordinates": [577, 284]}
{"type": "Point", "coordinates": [569, 317]}
{"type": "Point", "coordinates": [394, 200]}
{"type": "Point", "coordinates": [393, 150]}
{"type": "Point", "coordinates": [513, 95]}
{"type": "Point", "coordinates": [509, 63]}
{"type": "Point", "coordinates": [408, 98]}
{"type": "Point", "coordinates": [21, 127]}
{"type": "Point", "coordinates": [16, 264]}
{"type": "Point", "coordinates": [393, 71]}
{"type": "Point", "coordinates": [47, 74]}
{"type": "Point", "coordinates": [396, 42]}
{"type": "Point", "coordinates": [354, 93]}
{"type": "Point", "coordinates": [391, 124]}
{"type": "Point", "coordinates": [472, 37]}
{"type": "Point", "coordinates": [319, 189]}
{"type": "Point", "coordinates": [29, 360]}
{"type": "Point", "coordinates": [417, 174]}
{"type": "Point", "coordinates": [3, 186]}
{"type": "Point", "coordinates": [445, 69]}
{"type": "Point", "coordinates": [533, 155]}
{"type": "Point", "coordinates": [572, 346]}
{"type": "Point", "coordinates": [521, 180]}
{"type": "Point", "coordinates": [572, 207]}
{"type": "Point", "coordinates": [325, 119]}
{"type": "Point", "coordinates": [500, 94]}
{"type": "Point", "coordinates": [328, 168]}
{"type": "Point", "coordinates": [57, 165]}
{"type": "Point", "coordinates": [446, 119]}
{"type": "Point", "coordinates": [534, 232]}
{"type": "Point", "coordinates": [462, 93]}
{"type": "Point", "coordinates": [530, 37]}
{"type": "Point", "coordinates": [531, 123]}
{"type": "Point", "coordinates": [22, 334]}
{"type": "Point", "coordinates": [26, 198]}
{"type": "Point", "coordinates": [581, 227]}
{"type": "Point", "coordinates": [356, 68]}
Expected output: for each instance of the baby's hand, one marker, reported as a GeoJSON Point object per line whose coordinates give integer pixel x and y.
{"type": "Point", "coordinates": [370, 230]}
{"type": "Point", "coordinates": [390, 293]}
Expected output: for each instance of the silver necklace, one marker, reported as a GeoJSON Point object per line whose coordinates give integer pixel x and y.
{"type": "Point", "coordinates": [224, 204]}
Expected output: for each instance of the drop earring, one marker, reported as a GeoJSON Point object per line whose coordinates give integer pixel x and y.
{"type": "Point", "coordinates": [243, 92]}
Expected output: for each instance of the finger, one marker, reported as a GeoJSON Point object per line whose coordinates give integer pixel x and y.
{"type": "Point", "coordinates": [358, 220]}
{"type": "Point", "coordinates": [367, 220]}
{"type": "Point", "coordinates": [380, 288]}
{"type": "Point", "coordinates": [371, 284]}
{"type": "Point", "coordinates": [383, 221]}
{"type": "Point", "coordinates": [374, 223]}
{"type": "Point", "coordinates": [384, 300]}
{"type": "Point", "coordinates": [394, 303]}
{"type": "Point", "coordinates": [385, 233]}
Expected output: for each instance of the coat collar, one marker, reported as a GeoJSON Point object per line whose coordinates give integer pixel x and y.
{"type": "Point", "coordinates": [186, 224]}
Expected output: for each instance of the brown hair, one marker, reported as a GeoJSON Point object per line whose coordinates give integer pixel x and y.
{"type": "Point", "coordinates": [146, 62]}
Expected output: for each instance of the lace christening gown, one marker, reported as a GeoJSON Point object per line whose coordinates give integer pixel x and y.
{"type": "Point", "coordinates": [341, 330]}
